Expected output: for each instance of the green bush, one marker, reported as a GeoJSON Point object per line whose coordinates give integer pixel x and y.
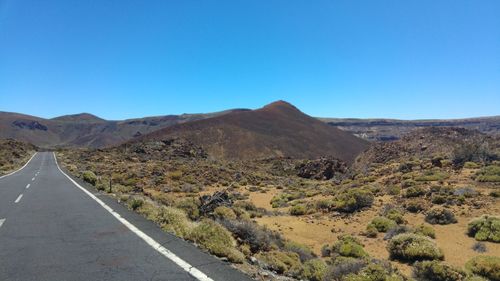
{"type": "Point", "coordinates": [383, 224]}
{"type": "Point", "coordinates": [191, 206]}
{"type": "Point", "coordinates": [416, 205]}
{"type": "Point", "coordinates": [489, 174]}
{"type": "Point", "coordinates": [225, 213]}
{"type": "Point", "coordinates": [259, 238]}
{"type": "Point", "coordinates": [350, 269]}
{"type": "Point", "coordinates": [135, 203]}
{"type": "Point", "coordinates": [414, 191]}
{"type": "Point", "coordinates": [217, 240]}
{"type": "Point", "coordinates": [485, 228]}
{"type": "Point", "coordinates": [432, 176]}
{"type": "Point", "coordinates": [440, 216]}
{"type": "Point", "coordinates": [353, 200]}
{"type": "Point", "coordinates": [408, 183]}
{"type": "Point", "coordinates": [437, 271]}
{"type": "Point", "coordinates": [471, 165]}
{"type": "Point", "coordinates": [413, 247]}
{"type": "Point", "coordinates": [170, 219]}
{"type": "Point", "coordinates": [324, 204]}
{"type": "Point", "coordinates": [486, 266]}
{"type": "Point", "coordinates": [395, 215]}
{"type": "Point", "coordinates": [393, 190]}
{"type": "Point", "coordinates": [89, 177]}
{"type": "Point", "coordinates": [371, 231]}
{"type": "Point", "coordinates": [349, 246]}
{"type": "Point", "coordinates": [313, 270]}
{"type": "Point", "coordinates": [305, 253]}
{"type": "Point", "coordinates": [282, 200]}
{"type": "Point", "coordinates": [281, 262]}
{"type": "Point", "coordinates": [298, 210]}
{"type": "Point", "coordinates": [342, 267]}
{"type": "Point", "coordinates": [425, 230]}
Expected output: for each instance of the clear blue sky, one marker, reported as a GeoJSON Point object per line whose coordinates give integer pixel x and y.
{"type": "Point", "coordinates": [120, 59]}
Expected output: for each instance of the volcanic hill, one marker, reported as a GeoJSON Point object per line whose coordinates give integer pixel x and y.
{"type": "Point", "coordinates": [276, 130]}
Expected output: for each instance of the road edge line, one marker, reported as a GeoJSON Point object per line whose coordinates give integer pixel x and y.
{"type": "Point", "coordinates": [150, 241]}
{"type": "Point", "coordinates": [1, 177]}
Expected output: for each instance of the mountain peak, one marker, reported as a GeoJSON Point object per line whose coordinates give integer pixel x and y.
{"type": "Point", "coordinates": [280, 105]}
{"type": "Point", "coordinates": [80, 117]}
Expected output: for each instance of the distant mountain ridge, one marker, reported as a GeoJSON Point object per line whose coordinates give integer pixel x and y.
{"type": "Point", "coordinates": [393, 129]}
{"type": "Point", "coordinates": [87, 130]}
{"type": "Point", "coordinates": [84, 129]}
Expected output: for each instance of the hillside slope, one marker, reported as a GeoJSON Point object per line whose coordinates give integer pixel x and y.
{"type": "Point", "coordinates": [276, 130]}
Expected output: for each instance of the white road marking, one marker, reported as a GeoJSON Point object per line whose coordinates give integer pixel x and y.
{"type": "Point", "coordinates": [1, 222]}
{"type": "Point", "coordinates": [18, 198]}
{"type": "Point", "coordinates": [20, 168]}
{"type": "Point", "coordinates": [196, 273]}
{"type": "Point", "coordinates": [28, 186]}
{"type": "Point", "coordinates": [32, 179]}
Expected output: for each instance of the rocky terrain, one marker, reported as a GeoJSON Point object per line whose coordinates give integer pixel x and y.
{"type": "Point", "coordinates": [423, 207]}
{"type": "Point", "coordinates": [13, 154]}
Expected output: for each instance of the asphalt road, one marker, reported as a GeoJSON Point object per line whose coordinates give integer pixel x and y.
{"type": "Point", "coordinates": [51, 229]}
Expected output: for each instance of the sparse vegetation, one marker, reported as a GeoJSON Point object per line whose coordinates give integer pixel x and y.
{"type": "Point", "coordinates": [485, 228]}
{"type": "Point", "coordinates": [432, 175]}
{"type": "Point", "coordinates": [382, 224]}
{"type": "Point", "coordinates": [437, 271]}
{"type": "Point", "coordinates": [353, 200]}
{"type": "Point", "coordinates": [257, 237]}
{"type": "Point", "coordinates": [413, 247]}
{"type": "Point", "coordinates": [305, 253]}
{"type": "Point", "coordinates": [135, 204]}
{"type": "Point", "coordinates": [314, 270]}
{"type": "Point", "coordinates": [89, 177]}
{"type": "Point", "coordinates": [485, 266]}
{"type": "Point", "coordinates": [489, 174]}
{"type": "Point", "coordinates": [425, 230]}
{"type": "Point", "coordinates": [217, 240]}
{"type": "Point", "coordinates": [358, 270]}
{"type": "Point", "coordinates": [298, 210]}
{"type": "Point", "coordinates": [348, 246]}
{"type": "Point", "coordinates": [414, 191]}
{"type": "Point", "coordinates": [440, 216]}
{"type": "Point", "coordinates": [287, 263]}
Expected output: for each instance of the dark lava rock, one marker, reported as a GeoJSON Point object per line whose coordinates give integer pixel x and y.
{"type": "Point", "coordinates": [210, 202]}
{"type": "Point", "coordinates": [321, 169]}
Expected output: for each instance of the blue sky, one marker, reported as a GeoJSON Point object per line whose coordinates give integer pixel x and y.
{"type": "Point", "coordinates": [121, 59]}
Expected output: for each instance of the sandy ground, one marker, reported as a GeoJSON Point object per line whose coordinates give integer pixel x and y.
{"type": "Point", "coordinates": [317, 230]}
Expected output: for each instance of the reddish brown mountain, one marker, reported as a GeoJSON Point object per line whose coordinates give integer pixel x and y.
{"type": "Point", "coordinates": [278, 129]}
